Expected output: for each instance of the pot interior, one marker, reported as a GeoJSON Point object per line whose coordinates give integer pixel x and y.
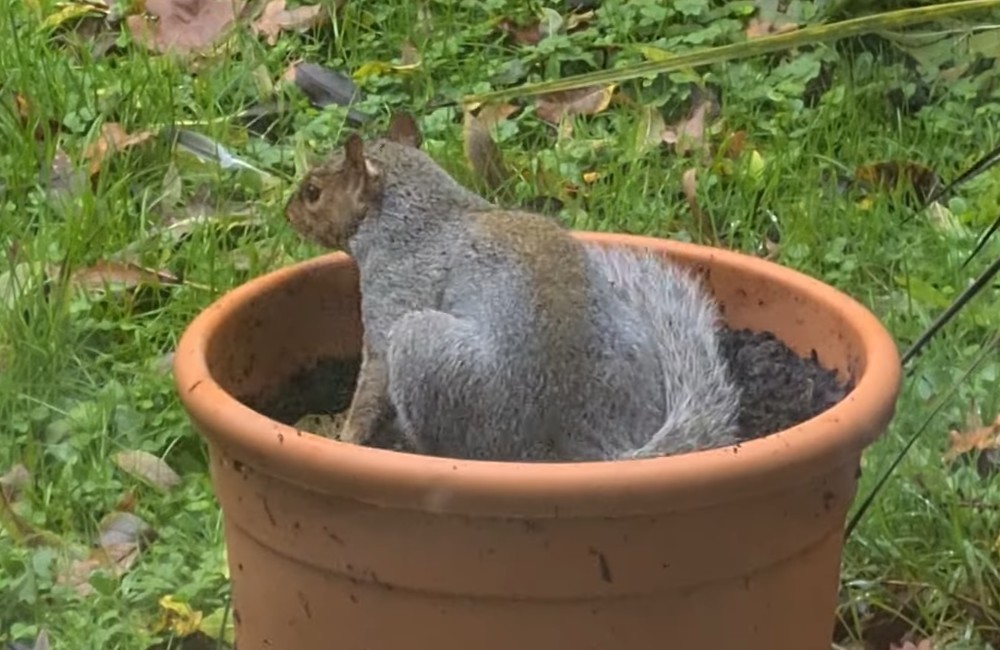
{"type": "Point", "coordinates": [308, 315]}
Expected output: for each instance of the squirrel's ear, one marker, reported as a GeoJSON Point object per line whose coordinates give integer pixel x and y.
{"type": "Point", "coordinates": [354, 151]}
{"type": "Point", "coordinates": [404, 130]}
{"type": "Point", "coordinates": [354, 157]}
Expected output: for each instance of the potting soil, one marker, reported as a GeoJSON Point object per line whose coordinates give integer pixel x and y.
{"type": "Point", "coordinates": [779, 388]}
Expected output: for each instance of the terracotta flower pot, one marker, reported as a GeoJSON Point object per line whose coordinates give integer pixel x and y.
{"type": "Point", "coordinates": [338, 546]}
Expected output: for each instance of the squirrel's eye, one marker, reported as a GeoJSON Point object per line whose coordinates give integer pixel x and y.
{"type": "Point", "coordinates": [310, 193]}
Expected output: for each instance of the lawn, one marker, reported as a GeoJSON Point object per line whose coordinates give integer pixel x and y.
{"type": "Point", "coordinates": [113, 238]}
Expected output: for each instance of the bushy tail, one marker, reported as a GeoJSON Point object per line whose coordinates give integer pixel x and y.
{"type": "Point", "coordinates": [702, 403]}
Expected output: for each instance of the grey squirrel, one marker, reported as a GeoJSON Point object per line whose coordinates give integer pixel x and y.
{"type": "Point", "coordinates": [494, 334]}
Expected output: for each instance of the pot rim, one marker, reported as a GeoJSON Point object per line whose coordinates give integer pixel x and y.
{"type": "Point", "coordinates": [778, 461]}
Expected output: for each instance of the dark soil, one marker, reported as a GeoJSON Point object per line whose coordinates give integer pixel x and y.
{"type": "Point", "coordinates": [779, 388]}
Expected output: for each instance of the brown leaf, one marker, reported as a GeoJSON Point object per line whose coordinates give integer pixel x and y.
{"type": "Point", "coordinates": [43, 128]}
{"type": "Point", "coordinates": [112, 138]}
{"type": "Point", "coordinates": [20, 529]}
{"type": "Point", "coordinates": [119, 529]}
{"type": "Point", "coordinates": [148, 468]}
{"type": "Point", "coordinates": [552, 107]}
{"type": "Point", "coordinates": [76, 574]}
{"type": "Point", "coordinates": [126, 503]}
{"type": "Point", "coordinates": [482, 153]}
{"type": "Point", "coordinates": [977, 438]}
{"type": "Point", "coordinates": [122, 536]}
{"type": "Point", "coordinates": [13, 482]}
{"type": "Point", "coordinates": [758, 27]}
{"type": "Point", "coordinates": [489, 115]}
{"type": "Point", "coordinates": [119, 275]}
{"type": "Point", "coordinates": [732, 147]}
{"type": "Point", "coordinates": [183, 26]}
{"type": "Point", "coordinates": [10, 488]}
{"type": "Point", "coordinates": [530, 34]}
{"type": "Point", "coordinates": [689, 133]}
{"type": "Point", "coordinates": [895, 174]}
{"type": "Point", "coordinates": [276, 19]}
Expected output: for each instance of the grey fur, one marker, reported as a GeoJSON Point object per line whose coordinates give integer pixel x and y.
{"type": "Point", "coordinates": [700, 400]}
{"type": "Point", "coordinates": [481, 366]}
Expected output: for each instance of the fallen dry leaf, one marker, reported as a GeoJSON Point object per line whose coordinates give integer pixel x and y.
{"type": "Point", "coordinates": [20, 529]}
{"type": "Point", "coordinates": [14, 481]}
{"type": "Point", "coordinates": [126, 503]}
{"type": "Point", "coordinates": [119, 275]}
{"type": "Point", "coordinates": [183, 26]}
{"type": "Point", "coordinates": [553, 107]}
{"type": "Point", "coordinates": [148, 468]}
{"type": "Point", "coordinates": [758, 27]}
{"type": "Point", "coordinates": [689, 133]}
{"type": "Point", "coordinates": [489, 115]}
{"type": "Point", "coordinates": [409, 60]}
{"type": "Point", "coordinates": [276, 19]}
{"type": "Point", "coordinates": [10, 488]}
{"type": "Point", "coordinates": [378, 68]}
{"type": "Point", "coordinates": [71, 11]}
{"type": "Point", "coordinates": [773, 17]}
{"type": "Point", "coordinates": [76, 574]}
{"type": "Point", "coordinates": [482, 153]}
{"type": "Point", "coordinates": [122, 536]}
{"type": "Point", "coordinates": [43, 129]}
{"type": "Point", "coordinates": [899, 174]}
{"type": "Point", "coordinates": [530, 34]}
{"type": "Point", "coordinates": [111, 139]}
{"type": "Point", "coordinates": [732, 147]}
{"type": "Point", "coordinates": [178, 617]}
{"type": "Point", "coordinates": [977, 438]}
{"type": "Point", "coordinates": [120, 528]}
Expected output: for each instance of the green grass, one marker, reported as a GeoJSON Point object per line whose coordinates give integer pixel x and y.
{"type": "Point", "coordinates": [82, 375]}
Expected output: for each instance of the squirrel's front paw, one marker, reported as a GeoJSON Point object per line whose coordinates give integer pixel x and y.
{"type": "Point", "coordinates": [354, 432]}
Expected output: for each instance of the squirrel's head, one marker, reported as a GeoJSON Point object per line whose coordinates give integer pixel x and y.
{"type": "Point", "coordinates": [334, 198]}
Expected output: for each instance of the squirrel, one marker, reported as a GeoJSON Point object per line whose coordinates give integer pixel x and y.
{"type": "Point", "coordinates": [494, 334]}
